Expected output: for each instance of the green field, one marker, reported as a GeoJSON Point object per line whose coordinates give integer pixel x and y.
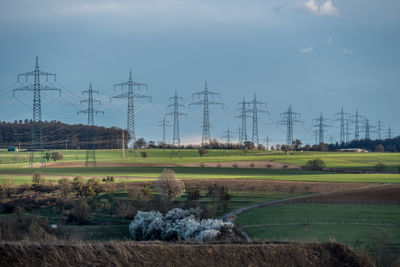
{"type": "Point", "coordinates": [149, 173]}
{"type": "Point", "coordinates": [355, 225]}
{"type": "Point", "coordinates": [332, 159]}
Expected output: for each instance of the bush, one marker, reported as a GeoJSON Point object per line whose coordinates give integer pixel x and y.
{"type": "Point", "coordinates": [80, 212]}
{"type": "Point", "coordinates": [38, 179]}
{"type": "Point", "coordinates": [380, 167]}
{"type": "Point", "coordinates": [202, 151]}
{"type": "Point", "coordinates": [55, 155]}
{"type": "Point", "coordinates": [315, 165]}
{"type": "Point", "coordinates": [177, 224]}
{"type": "Point", "coordinates": [143, 154]}
{"type": "Point", "coordinates": [379, 148]}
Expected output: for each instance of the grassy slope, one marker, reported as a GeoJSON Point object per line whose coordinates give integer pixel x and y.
{"type": "Point", "coordinates": [342, 225]}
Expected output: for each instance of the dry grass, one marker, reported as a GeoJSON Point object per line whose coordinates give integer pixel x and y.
{"type": "Point", "coordinates": [173, 254]}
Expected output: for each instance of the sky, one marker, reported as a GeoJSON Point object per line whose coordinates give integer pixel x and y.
{"type": "Point", "coordinates": [316, 55]}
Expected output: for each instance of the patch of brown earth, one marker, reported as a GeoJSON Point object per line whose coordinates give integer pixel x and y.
{"type": "Point", "coordinates": [388, 194]}
{"type": "Point", "coordinates": [274, 185]}
{"type": "Point", "coordinates": [239, 164]}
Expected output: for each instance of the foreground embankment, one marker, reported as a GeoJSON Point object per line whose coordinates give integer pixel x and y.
{"type": "Point", "coordinates": [168, 254]}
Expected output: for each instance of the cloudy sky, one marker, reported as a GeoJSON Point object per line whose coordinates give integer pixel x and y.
{"type": "Point", "coordinates": [316, 55]}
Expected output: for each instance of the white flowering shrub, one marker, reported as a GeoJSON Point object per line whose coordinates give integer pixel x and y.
{"type": "Point", "coordinates": [177, 224]}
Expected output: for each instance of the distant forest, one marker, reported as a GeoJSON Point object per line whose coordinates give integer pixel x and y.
{"type": "Point", "coordinates": [389, 145]}
{"type": "Point", "coordinates": [58, 135]}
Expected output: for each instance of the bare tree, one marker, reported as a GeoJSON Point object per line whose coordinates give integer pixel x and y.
{"type": "Point", "coordinates": [168, 185]}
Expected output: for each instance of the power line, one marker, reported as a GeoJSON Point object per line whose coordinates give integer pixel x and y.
{"type": "Point", "coordinates": [37, 153]}
{"type": "Point", "coordinates": [228, 135]}
{"type": "Point", "coordinates": [289, 119]}
{"type": "Point", "coordinates": [320, 125]}
{"type": "Point", "coordinates": [342, 117]}
{"type": "Point", "coordinates": [176, 141]}
{"type": "Point", "coordinates": [379, 129]}
{"type": "Point", "coordinates": [356, 120]}
{"type": "Point", "coordinates": [164, 123]}
{"type": "Point", "coordinates": [90, 111]}
{"type": "Point", "coordinates": [131, 95]}
{"type": "Point", "coordinates": [257, 105]}
{"type": "Point", "coordinates": [389, 133]}
{"type": "Point", "coordinates": [205, 102]}
{"type": "Point", "coordinates": [243, 116]}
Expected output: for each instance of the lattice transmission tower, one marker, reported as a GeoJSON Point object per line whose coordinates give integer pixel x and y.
{"type": "Point", "coordinates": [379, 129]}
{"type": "Point", "coordinates": [389, 133]}
{"type": "Point", "coordinates": [289, 119]}
{"type": "Point", "coordinates": [205, 102]}
{"type": "Point", "coordinates": [356, 119]}
{"type": "Point", "coordinates": [342, 117]}
{"type": "Point", "coordinates": [256, 108]}
{"type": "Point", "coordinates": [90, 111]}
{"type": "Point", "coordinates": [244, 114]}
{"type": "Point", "coordinates": [36, 150]}
{"type": "Point", "coordinates": [228, 136]}
{"type": "Point", "coordinates": [347, 131]}
{"type": "Point", "coordinates": [176, 140]}
{"type": "Point", "coordinates": [367, 129]}
{"type": "Point", "coordinates": [320, 125]}
{"type": "Point", "coordinates": [164, 123]}
{"type": "Point", "coordinates": [132, 93]}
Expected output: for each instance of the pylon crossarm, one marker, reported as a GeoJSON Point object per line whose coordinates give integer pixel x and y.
{"type": "Point", "coordinates": [33, 73]}
{"type": "Point", "coordinates": [121, 85]}
{"type": "Point", "coordinates": [31, 88]}
{"type": "Point", "coordinates": [120, 96]}
{"type": "Point", "coordinates": [201, 102]}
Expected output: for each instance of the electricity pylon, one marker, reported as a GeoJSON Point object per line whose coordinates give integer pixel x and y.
{"type": "Point", "coordinates": [379, 129]}
{"type": "Point", "coordinates": [228, 135]}
{"type": "Point", "coordinates": [389, 133]}
{"type": "Point", "coordinates": [36, 153]}
{"type": "Point", "coordinates": [239, 132]}
{"type": "Point", "coordinates": [320, 125]}
{"type": "Point", "coordinates": [342, 117]}
{"type": "Point", "coordinates": [356, 119]}
{"type": "Point", "coordinates": [289, 119]}
{"type": "Point", "coordinates": [315, 133]}
{"type": "Point", "coordinates": [244, 110]}
{"type": "Point", "coordinates": [347, 131]}
{"type": "Point", "coordinates": [256, 108]}
{"type": "Point", "coordinates": [368, 129]}
{"type": "Point", "coordinates": [205, 102]}
{"type": "Point", "coordinates": [176, 140]}
{"type": "Point", "coordinates": [90, 111]}
{"type": "Point", "coordinates": [131, 95]}
{"type": "Point", "coordinates": [164, 123]}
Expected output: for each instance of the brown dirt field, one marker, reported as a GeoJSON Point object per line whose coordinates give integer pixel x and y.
{"type": "Point", "coordinates": [388, 194]}
{"type": "Point", "coordinates": [239, 164]}
{"type": "Point", "coordinates": [173, 254]}
{"type": "Point", "coordinates": [273, 185]}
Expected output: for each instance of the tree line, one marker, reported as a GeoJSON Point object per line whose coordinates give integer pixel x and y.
{"type": "Point", "coordinates": [59, 135]}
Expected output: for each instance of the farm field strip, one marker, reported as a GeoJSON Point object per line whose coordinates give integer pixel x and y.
{"type": "Point", "coordinates": [207, 173]}
{"type": "Point", "coordinates": [160, 156]}
{"type": "Point", "coordinates": [354, 225]}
